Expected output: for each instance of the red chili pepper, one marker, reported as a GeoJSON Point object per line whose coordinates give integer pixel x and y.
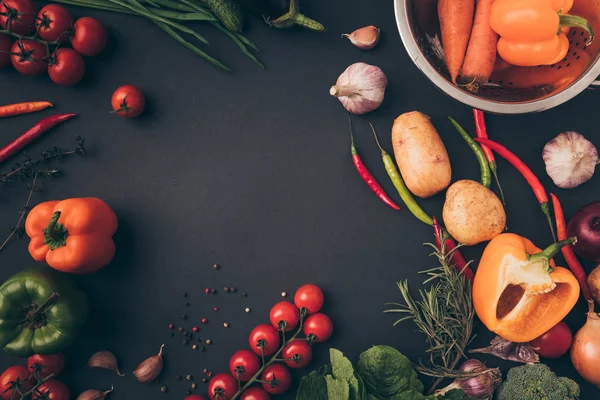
{"type": "Point", "coordinates": [457, 258]}
{"type": "Point", "coordinates": [367, 176]}
{"type": "Point", "coordinates": [567, 251]}
{"type": "Point", "coordinates": [532, 180]}
{"type": "Point", "coordinates": [23, 108]}
{"type": "Point", "coordinates": [481, 131]}
{"type": "Point", "coordinates": [33, 133]}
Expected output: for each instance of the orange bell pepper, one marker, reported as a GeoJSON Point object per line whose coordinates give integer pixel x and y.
{"type": "Point", "coordinates": [73, 235]}
{"type": "Point", "coordinates": [518, 292]}
{"type": "Point", "coordinates": [532, 32]}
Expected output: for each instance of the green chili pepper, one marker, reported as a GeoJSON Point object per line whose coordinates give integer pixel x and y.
{"type": "Point", "coordinates": [486, 175]}
{"type": "Point", "coordinates": [398, 182]}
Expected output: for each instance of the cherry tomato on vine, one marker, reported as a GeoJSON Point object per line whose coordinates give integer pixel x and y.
{"type": "Point", "coordinates": [264, 337]}
{"type": "Point", "coordinates": [245, 363]}
{"type": "Point", "coordinates": [54, 23]}
{"type": "Point", "coordinates": [555, 343]}
{"type": "Point", "coordinates": [318, 327]}
{"type": "Point", "coordinates": [255, 393]}
{"type": "Point", "coordinates": [46, 364]}
{"type": "Point", "coordinates": [89, 38]}
{"type": "Point", "coordinates": [284, 316]}
{"type": "Point", "coordinates": [310, 297]}
{"type": "Point", "coordinates": [18, 16]}
{"type": "Point", "coordinates": [52, 390]}
{"type": "Point", "coordinates": [66, 67]}
{"type": "Point", "coordinates": [297, 354]}
{"type": "Point", "coordinates": [15, 377]}
{"type": "Point", "coordinates": [277, 378]}
{"type": "Point", "coordinates": [5, 46]}
{"type": "Point", "coordinates": [28, 57]}
{"type": "Point", "coordinates": [194, 397]}
{"type": "Point", "coordinates": [222, 387]}
{"type": "Point", "coordinates": [128, 101]}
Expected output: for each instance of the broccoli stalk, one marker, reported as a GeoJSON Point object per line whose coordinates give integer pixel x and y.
{"type": "Point", "coordinates": [536, 382]}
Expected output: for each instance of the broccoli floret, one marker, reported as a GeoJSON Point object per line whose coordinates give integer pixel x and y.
{"type": "Point", "coordinates": [536, 382]}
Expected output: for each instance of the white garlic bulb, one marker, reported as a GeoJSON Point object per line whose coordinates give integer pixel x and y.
{"type": "Point", "coordinates": [570, 159]}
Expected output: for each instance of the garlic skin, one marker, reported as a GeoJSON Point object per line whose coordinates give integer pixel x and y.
{"type": "Point", "coordinates": [570, 159]}
{"type": "Point", "coordinates": [360, 88]}
{"type": "Point", "coordinates": [365, 38]}
{"type": "Point", "coordinates": [150, 369]}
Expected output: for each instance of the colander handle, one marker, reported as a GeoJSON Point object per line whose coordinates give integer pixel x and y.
{"type": "Point", "coordinates": [594, 85]}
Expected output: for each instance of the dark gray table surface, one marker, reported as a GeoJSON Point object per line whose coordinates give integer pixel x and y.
{"type": "Point", "coordinates": [251, 170]}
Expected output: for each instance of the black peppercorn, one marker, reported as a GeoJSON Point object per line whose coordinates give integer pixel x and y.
{"type": "Point", "coordinates": [184, 294]}
{"type": "Point", "coordinates": [184, 317]}
{"type": "Point", "coordinates": [185, 341]}
{"type": "Point", "coordinates": [178, 377]}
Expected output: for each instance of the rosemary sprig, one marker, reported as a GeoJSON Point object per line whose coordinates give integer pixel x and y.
{"type": "Point", "coordinates": [33, 169]}
{"type": "Point", "coordinates": [444, 314]}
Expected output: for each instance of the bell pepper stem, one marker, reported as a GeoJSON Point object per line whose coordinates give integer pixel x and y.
{"type": "Point", "coordinates": [55, 234]}
{"type": "Point", "coordinates": [576, 22]}
{"type": "Point", "coordinates": [35, 313]}
{"type": "Point", "coordinates": [550, 251]}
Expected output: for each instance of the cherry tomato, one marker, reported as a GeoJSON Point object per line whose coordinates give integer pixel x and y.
{"type": "Point", "coordinates": [27, 57]}
{"type": "Point", "coordinates": [277, 378]}
{"type": "Point", "coordinates": [18, 16]}
{"type": "Point", "coordinates": [54, 23]}
{"type": "Point", "coordinates": [46, 364]}
{"type": "Point", "coordinates": [128, 101]}
{"type": "Point", "coordinates": [555, 343]}
{"type": "Point", "coordinates": [5, 46]}
{"type": "Point", "coordinates": [284, 316]}
{"type": "Point", "coordinates": [318, 327]}
{"type": "Point", "coordinates": [245, 363]}
{"type": "Point", "coordinates": [89, 38]}
{"type": "Point", "coordinates": [15, 377]}
{"type": "Point", "coordinates": [194, 397]}
{"type": "Point", "coordinates": [222, 387]}
{"type": "Point", "coordinates": [297, 354]}
{"type": "Point", "coordinates": [264, 337]}
{"type": "Point", "coordinates": [255, 393]}
{"type": "Point", "coordinates": [309, 297]}
{"type": "Point", "coordinates": [52, 390]}
{"type": "Point", "coordinates": [66, 67]}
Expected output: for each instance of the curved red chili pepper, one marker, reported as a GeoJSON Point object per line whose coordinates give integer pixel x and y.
{"type": "Point", "coordinates": [457, 258]}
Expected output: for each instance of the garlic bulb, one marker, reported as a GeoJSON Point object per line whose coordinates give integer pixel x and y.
{"type": "Point", "coordinates": [364, 38]}
{"type": "Point", "coordinates": [360, 88]}
{"type": "Point", "coordinates": [570, 159]}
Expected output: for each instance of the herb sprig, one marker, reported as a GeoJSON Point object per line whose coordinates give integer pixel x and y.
{"type": "Point", "coordinates": [444, 314]}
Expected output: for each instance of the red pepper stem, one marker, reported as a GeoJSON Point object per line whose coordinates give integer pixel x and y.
{"type": "Point", "coordinates": [576, 22]}
{"type": "Point", "coordinates": [546, 211]}
{"type": "Point", "coordinates": [552, 250]}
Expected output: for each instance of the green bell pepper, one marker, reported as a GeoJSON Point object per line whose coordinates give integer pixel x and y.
{"type": "Point", "coordinates": [41, 312]}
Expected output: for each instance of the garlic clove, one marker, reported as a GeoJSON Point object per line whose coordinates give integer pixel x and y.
{"type": "Point", "coordinates": [105, 360]}
{"type": "Point", "coordinates": [94, 394]}
{"type": "Point", "coordinates": [570, 159]}
{"type": "Point", "coordinates": [365, 38]}
{"type": "Point", "coordinates": [150, 369]}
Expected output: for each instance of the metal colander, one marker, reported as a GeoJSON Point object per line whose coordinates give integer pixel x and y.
{"type": "Point", "coordinates": [511, 90]}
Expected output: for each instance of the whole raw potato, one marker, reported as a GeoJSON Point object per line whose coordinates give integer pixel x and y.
{"type": "Point", "coordinates": [473, 213]}
{"type": "Point", "coordinates": [420, 154]}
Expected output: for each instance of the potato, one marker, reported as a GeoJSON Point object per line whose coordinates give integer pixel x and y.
{"type": "Point", "coordinates": [420, 154]}
{"type": "Point", "coordinates": [473, 213]}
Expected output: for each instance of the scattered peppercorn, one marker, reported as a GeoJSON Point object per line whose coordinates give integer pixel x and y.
{"type": "Point", "coordinates": [214, 291]}
{"type": "Point", "coordinates": [188, 392]}
{"type": "Point", "coordinates": [180, 329]}
{"type": "Point", "coordinates": [164, 389]}
{"type": "Point", "coordinates": [204, 320]}
{"type": "Point", "coordinates": [216, 309]}
{"type": "Point", "coordinates": [204, 380]}
{"type": "Point", "coordinates": [247, 309]}
{"type": "Point", "coordinates": [185, 341]}
{"type": "Point", "coordinates": [207, 291]}
{"type": "Point", "coordinates": [216, 266]}
{"type": "Point", "coordinates": [178, 377]}
{"type": "Point", "coordinates": [187, 304]}
{"type": "Point", "coordinates": [226, 324]}
{"type": "Point", "coordinates": [226, 289]}
{"type": "Point", "coordinates": [171, 334]}
{"type": "Point", "coordinates": [195, 329]}
{"type": "Point", "coordinates": [184, 294]}
{"type": "Point", "coordinates": [208, 341]}
{"type": "Point", "coordinates": [195, 347]}
{"type": "Point", "coordinates": [283, 294]}
{"type": "Point", "coordinates": [209, 374]}
{"type": "Point", "coordinates": [204, 371]}
{"type": "Point", "coordinates": [171, 326]}
{"type": "Point", "coordinates": [234, 289]}
{"type": "Point", "coordinates": [189, 377]}
{"type": "Point", "coordinates": [184, 317]}
{"type": "Point", "coordinates": [244, 294]}
{"type": "Point", "coordinates": [193, 386]}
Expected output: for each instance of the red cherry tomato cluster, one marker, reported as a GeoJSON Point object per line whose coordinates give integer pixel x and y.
{"type": "Point", "coordinates": [280, 340]}
{"type": "Point", "coordinates": [40, 38]}
{"type": "Point", "coordinates": [36, 379]}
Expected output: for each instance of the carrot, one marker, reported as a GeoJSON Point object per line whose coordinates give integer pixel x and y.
{"type": "Point", "coordinates": [456, 20]}
{"type": "Point", "coordinates": [481, 53]}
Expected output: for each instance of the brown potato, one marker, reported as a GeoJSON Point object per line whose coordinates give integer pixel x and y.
{"type": "Point", "coordinates": [420, 154]}
{"type": "Point", "coordinates": [473, 213]}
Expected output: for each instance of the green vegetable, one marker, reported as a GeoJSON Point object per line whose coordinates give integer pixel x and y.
{"type": "Point", "coordinates": [41, 312]}
{"type": "Point", "coordinates": [229, 12]}
{"type": "Point", "coordinates": [486, 176]}
{"type": "Point", "coordinates": [387, 372]}
{"type": "Point", "coordinates": [314, 386]}
{"type": "Point", "coordinates": [536, 382]}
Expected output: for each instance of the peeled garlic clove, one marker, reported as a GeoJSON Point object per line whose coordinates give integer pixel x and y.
{"type": "Point", "coordinates": [360, 88]}
{"type": "Point", "coordinates": [570, 159]}
{"type": "Point", "coordinates": [94, 394]}
{"type": "Point", "coordinates": [364, 38]}
{"type": "Point", "coordinates": [150, 369]}
{"type": "Point", "coordinates": [105, 360]}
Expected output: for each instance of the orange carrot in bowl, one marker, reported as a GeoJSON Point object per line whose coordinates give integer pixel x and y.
{"type": "Point", "coordinates": [481, 52]}
{"type": "Point", "coordinates": [456, 21]}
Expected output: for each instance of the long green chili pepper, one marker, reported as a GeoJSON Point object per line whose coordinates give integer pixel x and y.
{"type": "Point", "coordinates": [486, 174]}
{"type": "Point", "coordinates": [398, 182]}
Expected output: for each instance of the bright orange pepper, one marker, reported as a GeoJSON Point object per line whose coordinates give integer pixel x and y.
{"type": "Point", "coordinates": [531, 31]}
{"type": "Point", "coordinates": [73, 235]}
{"type": "Point", "coordinates": [518, 292]}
